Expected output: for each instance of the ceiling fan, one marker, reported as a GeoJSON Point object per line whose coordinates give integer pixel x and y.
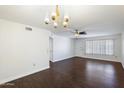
{"type": "Point", "coordinates": [77, 32]}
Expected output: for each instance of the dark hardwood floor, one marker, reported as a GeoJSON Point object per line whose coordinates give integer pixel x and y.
{"type": "Point", "coordinates": [75, 72]}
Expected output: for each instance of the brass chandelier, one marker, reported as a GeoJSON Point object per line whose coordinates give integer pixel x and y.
{"type": "Point", "coordinates": [55, 19]}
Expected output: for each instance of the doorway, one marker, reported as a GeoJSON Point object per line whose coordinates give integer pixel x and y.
{"type": "Point", "coordinates": [51, 49]}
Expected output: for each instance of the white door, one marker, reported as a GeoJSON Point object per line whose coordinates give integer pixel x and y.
{"type": "Point", "coordinates": [51, 49]}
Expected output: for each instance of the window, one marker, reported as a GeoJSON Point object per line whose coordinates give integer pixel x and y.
{"type": "Point", "coordinates": [100, 47]}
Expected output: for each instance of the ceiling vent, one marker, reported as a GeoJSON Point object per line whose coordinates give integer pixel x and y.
{"type": "Point", "coordinates": [28, 28]}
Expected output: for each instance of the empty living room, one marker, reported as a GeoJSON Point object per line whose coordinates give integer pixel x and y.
{"type": "Point", "coordinates": [61, 46]}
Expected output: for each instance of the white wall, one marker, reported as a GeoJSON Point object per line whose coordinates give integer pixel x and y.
{"type": "Point", "coordinates": [123, 49]}
{"type": "Point", "coordinates": [63, 48]}
{"type": "Point", "coordinates": [80, 48]}
{"type": "Point", "coordinates": [22, 52]}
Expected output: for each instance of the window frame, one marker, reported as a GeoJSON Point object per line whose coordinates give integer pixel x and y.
{"type": "Point", "coordinates": [99, 53]}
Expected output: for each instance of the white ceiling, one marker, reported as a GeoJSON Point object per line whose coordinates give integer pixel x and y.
{"type": "Point", "coordinates": [95, 20]}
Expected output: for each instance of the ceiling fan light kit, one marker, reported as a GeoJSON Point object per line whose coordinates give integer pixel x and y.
{"type": "Point", "coordinates": [55, 18]}
{"type": "Point", "coordinates": [76, 34]}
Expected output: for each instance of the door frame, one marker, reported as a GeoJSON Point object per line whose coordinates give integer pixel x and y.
{"type": "Point", "coordinates": [50, 49]}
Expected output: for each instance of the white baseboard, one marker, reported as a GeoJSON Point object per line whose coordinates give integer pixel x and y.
{"type": "Point", "coordinates": [100, 58]}
{"type": "Point", "coordinates": [11, 78]}
{"type": "Point", "coordinates": [123, 66]}
{"type": "Point", "coordinates": [62, 59]}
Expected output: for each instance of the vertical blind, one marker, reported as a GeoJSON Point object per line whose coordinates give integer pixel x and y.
{"type": "Point", "coordinates": [100, 47]}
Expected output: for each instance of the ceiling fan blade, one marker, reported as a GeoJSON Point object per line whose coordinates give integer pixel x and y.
{"type": "Point", "coordinates": [75, 31]}
{"type": "Point", "coordinates": [82, 33]}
